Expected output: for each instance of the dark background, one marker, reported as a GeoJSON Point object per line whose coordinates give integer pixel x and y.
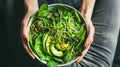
{"type": "Point", "coordinates": [12, 53]}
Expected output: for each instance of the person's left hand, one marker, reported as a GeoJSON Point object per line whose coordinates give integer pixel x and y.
{"type": "Point", "coordinates": [31, 8]}
{"type": "Point", "coordinates": [89, 39]}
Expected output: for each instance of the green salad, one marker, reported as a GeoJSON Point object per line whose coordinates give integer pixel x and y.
{"type": "Point", "coordinates": [57, 34]}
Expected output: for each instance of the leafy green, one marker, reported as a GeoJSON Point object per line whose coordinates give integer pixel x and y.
{"type": "Point", "coordinates": [38, 48]}
{"type": "Point", "coordinates": [43, 11]}
{"type": "Point", "coordinates": [57, 34]}
{"type": "Point", "coordinates": [52, 63]}
{"type": "Point", "coordinates": [68, 56]}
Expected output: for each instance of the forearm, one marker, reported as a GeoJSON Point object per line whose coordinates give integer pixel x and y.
{"type": "Point", "coordinates": [31, 7]}
{"type": "Point", "coordinates": [86, 8]}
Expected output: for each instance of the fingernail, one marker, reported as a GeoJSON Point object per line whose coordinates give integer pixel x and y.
{"type": "Point", "coordinates": [86, 45]}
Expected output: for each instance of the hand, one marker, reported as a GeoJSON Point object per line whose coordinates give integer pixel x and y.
{"type": "Point", "coordinates": [86, 10]}
{"type": "Point", "coordinates": [89, 39]}
{"type": "Point", "coordinates": [32, 7]}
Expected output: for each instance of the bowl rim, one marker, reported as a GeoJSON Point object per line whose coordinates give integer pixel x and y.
{"type": "Point", "coordinates": [28, 28]}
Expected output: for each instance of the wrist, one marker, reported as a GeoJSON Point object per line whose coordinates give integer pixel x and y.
{"type": "Point", "coordinates": [31, 6]}
{"type": "Point", "coordinates": [88, 20]}
{"type": "Point", "coordinates": [89, 23]}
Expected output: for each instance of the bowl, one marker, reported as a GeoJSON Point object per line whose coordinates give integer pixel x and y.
{"type": "Point", "coordinates": [53, 6]}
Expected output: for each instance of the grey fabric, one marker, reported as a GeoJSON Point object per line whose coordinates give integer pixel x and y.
{"type": "Point", "coordinates": [116, 62]}
{"type": "Point", "coordinates": [102, 50]}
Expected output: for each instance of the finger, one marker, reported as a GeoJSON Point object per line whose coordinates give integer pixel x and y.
{"type": "Point", "coordinates": [27, 49]}
{"type": "Point", "coordinates": [88, 41]}
{"type": "Point", "coordinates": [90, 37]}
{"type": "Point", "coordinates": [83, 54]}
{"type": "Point", "coordinates": [79, 59]}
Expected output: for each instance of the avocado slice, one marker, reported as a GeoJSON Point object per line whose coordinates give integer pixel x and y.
{"type": "Point", "coordinates": [55, 51]}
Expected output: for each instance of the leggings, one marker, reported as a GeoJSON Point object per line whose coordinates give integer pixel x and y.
{"type": "Point", "coordinates": [102, 50]}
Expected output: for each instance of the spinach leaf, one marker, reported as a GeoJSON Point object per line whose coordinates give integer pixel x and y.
{"type": "Point", "coordinates": [43, 11]}
{"type": "Point", "coordinates": [51, 63]}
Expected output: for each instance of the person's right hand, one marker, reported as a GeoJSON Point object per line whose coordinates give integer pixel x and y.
{"type": "Point", "coordinates": [31, 7]}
